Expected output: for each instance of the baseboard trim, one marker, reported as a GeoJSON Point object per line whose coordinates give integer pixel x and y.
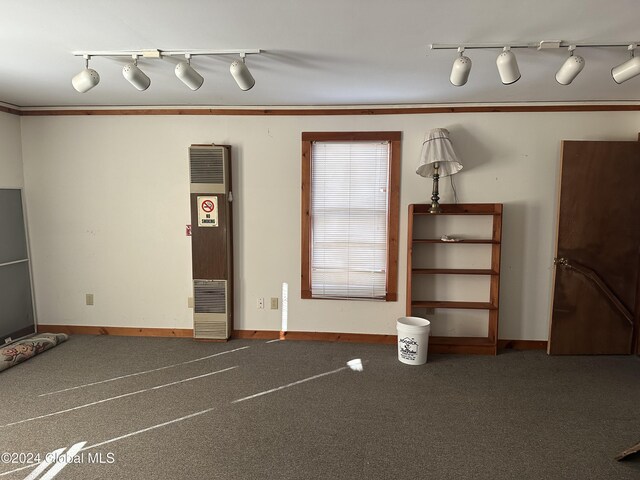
{"type": "Point", "coordinates": [265, 335]}
{"type": "Point", "coordinates": [369, 338]}
{"type": "Point", "coordinates": [317, 336]}
{"type": "Point", "coordinates": [256, 334]}
{"type": "Point", "coordinates": [522, 344]}
{"type": "Point", "coordinates": [117, 331]}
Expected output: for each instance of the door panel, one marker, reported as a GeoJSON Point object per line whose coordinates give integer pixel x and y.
{"type": "Point", "coordinates": [599, 241]}
{"type": "Point", "coordinates": [583, 321]}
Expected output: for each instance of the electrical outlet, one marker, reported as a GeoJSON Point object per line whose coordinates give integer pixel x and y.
{"type": "Point", "coordinates": [190, 303]}
{"type": "Point", "coordinates": [89, 299]}
{"type": "Point", "coordinates": [8, 340]}
{"type": "Point", "coordinates": [274, 303]}
{"type": "Point", "coordinates": [260, 303]}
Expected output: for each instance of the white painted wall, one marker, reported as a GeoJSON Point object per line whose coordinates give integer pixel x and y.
{"type": "Point", "coordinates": [10, 152]}
{"type": "Point", "coordinates": [108, 204]}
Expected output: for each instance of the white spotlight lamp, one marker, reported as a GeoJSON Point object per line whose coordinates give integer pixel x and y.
{"type": "Point", "coordinates": [437, 159]}
{"type": "Point", "coordinates": [628, 69]}
{"type": "Point", "coordinates": [508, 67]}
{"type": "Point", "coordinates": [135, 76]}
{"type": "Point", "coordinates": [86, 79]}
{"type": "Point", "coordinates": [460, 70]}
{"type": "Point", "coordinates": [187, 74]}
{"type": "Point", "coordinates": [570, 68]}
{"type": "Point", "coordinates": [241, 74]}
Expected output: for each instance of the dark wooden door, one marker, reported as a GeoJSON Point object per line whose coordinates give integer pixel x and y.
{"type": "Point", "coordinates": [596, 287]}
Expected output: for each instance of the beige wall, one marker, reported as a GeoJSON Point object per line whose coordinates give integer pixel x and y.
{"type": "Point", "coordinates": [10, 152]}
{"type": "Point", "coordinates": [108, 205]}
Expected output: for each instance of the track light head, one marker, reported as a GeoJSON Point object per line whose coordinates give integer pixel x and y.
{"type": "Point", "coordinates": [241, 74]}
{"type": "Point", "coordinates": [570, 68]}
{"type": "Point", "coordinates": [135, 76]}
{"type": "Point", "coordinates": [628, 69]}
{"type": "Point", "coordinates": [460, 70]}
{"type": "Point", "coordinates": [188, 75]}
{"type": "Point", "coordinates": [86, 79]}
{"type": "Point", "coordinates": [508, 67]}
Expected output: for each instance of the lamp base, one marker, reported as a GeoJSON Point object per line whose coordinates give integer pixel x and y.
{"type": "Point", "coordinates": [435, 206]}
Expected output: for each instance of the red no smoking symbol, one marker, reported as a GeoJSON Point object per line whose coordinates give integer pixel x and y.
{"type": "Point", "coordinates": [207, 206]}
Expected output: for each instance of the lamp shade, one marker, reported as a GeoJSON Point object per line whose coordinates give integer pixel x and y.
{"type": "Point", "coordinates": [437, 149]}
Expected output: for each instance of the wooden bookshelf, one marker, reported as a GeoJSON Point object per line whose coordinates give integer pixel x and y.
{"type": "Point", "coordinates": [419, 213]}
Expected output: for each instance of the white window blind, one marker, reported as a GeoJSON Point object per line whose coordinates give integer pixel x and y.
{"type": "Point", "coordinates": [349, 212]}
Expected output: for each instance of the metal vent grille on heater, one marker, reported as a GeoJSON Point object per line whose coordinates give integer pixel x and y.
{"type": "Point", "coordinates": [210, 296]}
{"type": "Point", "coordinates": [207, 164]}
{"type": "Point", "coordinates": [210, 309]}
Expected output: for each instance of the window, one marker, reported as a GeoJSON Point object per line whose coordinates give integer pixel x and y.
{"type": "Point", "coordinates": [350, 207]}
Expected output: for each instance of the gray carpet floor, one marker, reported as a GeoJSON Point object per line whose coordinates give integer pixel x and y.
{"type": "Point", "coordinates": [289, 410]}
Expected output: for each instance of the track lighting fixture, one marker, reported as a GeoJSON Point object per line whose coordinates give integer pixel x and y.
{"type": "Point", "coordinates": [570, 68]}
{"type": "Point", "coordinates": [508, 66]}
{"type": "Point", "coordinates": [135, 76]}
{"type": "Point", "coordinates": [87, 78]}
{"type": "Point", "coordinates": [460, 70]}
{"type": "Point", "coordinates": [187, 74]}
{"type": "Point", "coordinates": [628, 69]}
{"type": "Point", "coordinates": [241, 74]}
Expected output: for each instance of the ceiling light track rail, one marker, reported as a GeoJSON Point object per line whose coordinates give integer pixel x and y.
{"type": "Point", "coordinates": [542, 45]}
{"type": "Point", "coordinates": [89, 78]}
{"type": "Point", "coordinates": [156, 53]}
{"type": "Point", "coordinates": [508, 65]}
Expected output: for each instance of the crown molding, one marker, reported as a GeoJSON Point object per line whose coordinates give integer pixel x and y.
{"type": "Point", "coordinates": [325, 110]}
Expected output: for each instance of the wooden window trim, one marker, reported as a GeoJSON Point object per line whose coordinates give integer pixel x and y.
{"type": "Point", "coordinates": [394, 203]}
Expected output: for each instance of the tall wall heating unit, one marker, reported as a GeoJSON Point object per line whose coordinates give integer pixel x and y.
{"type": "Point", "coordinates": [211, 241]}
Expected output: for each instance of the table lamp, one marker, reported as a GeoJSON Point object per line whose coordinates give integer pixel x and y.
{"type": "Point", "coordinates": [437, 159]}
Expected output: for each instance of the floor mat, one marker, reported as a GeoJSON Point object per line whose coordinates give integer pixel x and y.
{"type": "Point", "coordinates": [25, 348]}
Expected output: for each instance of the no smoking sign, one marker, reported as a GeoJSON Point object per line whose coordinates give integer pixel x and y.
{"type": "Point", "coordinates": [208, 206]}
{"type": "Point", "coordinates": [207, 211]}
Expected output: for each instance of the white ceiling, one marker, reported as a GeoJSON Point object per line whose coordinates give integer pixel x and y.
{"type": "Point", "coordinates": [316, 52]}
